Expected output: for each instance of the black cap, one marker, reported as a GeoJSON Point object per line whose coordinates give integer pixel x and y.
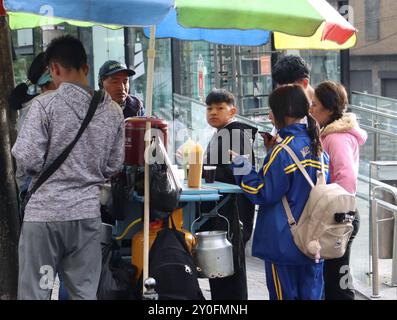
{"type": "Point", "coordinates": [110, 67]}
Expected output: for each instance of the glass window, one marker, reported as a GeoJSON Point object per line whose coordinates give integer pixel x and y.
{"type": "Point", "coordinates": [22, 53]}
{"type": "Point", "coordinates": [107, 44]}
{"type": "Point", "coordinates": [325, 65]}
{"type": "Point", "coordinates": [254, 77]}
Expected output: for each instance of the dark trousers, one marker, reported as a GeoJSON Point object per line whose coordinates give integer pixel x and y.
{"type": "Point", "coordinates": [294, 282]}
{"type": "Point", "coordinates": [338, 282]}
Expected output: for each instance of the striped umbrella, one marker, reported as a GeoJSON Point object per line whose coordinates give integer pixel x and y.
{"type": "Point", "coordinates": [297, 24]}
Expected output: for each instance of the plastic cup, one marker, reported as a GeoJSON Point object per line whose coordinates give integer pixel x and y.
{"type": "Point", "coordinates": [209, 174]}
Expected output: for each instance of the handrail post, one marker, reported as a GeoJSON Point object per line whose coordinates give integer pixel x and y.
{"type": "Point", "coordinates": [374, 246]}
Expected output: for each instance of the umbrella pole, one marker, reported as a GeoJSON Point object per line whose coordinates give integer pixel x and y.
{"type": "Point", "coordinates": [148, 104]}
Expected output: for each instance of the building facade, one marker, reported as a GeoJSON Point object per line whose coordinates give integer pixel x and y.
{"type": "Point", "coordinates": [373, 61]}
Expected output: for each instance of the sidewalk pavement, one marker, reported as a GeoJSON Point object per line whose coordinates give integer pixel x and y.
{"type": "Point", "coordinates": [256, 281]}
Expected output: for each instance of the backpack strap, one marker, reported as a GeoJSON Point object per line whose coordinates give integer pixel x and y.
{"type": "Point", "coordinates": [299, 164]}
{"type": "Point", "coordinates": [291, 219]}
{"type": "Point", "coordinates": [287, 208]}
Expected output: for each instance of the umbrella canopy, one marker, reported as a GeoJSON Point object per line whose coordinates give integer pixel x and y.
{"type": "Point", "coordinates": [297, 24]}
{"type": "Point", "coordinates": [113, 14]}
{"type": "Point", "coordinates": [169, 28]}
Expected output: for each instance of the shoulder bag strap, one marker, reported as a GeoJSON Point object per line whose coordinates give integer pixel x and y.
{"type": "Point", "coordinates": [291, 219]}
{"type": "Point", "coordinates": [98, 96]}
{"type": "Point", "coordinates": [298, 163]}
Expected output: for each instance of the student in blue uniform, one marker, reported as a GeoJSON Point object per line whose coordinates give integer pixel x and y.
{"type": "Point", "coordinates": [289, 273]}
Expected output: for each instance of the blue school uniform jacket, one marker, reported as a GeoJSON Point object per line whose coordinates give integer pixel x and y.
{"type": "Point", "coordinates": [280, 176]}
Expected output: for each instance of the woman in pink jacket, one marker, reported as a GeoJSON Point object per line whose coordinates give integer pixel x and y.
{"type": "Point", "coordinates": [341, 137]}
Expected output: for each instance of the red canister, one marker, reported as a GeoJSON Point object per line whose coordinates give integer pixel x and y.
{"type": "Point", "coordinates": [135, 128]}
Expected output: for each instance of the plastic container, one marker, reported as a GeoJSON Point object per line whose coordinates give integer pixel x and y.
{"type": "Point", "coordinates": [135, 129]}
{"type": "Point", "coordinates": [195, 166]}
{"type": "Point", "coordinates": [154, 227]}
{"type": "Point", "coordinates": [177, 217]}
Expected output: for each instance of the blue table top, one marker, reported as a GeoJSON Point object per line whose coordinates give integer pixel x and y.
{"type": "Point", "coordinates": [216, 187]}
{"type": "Point", "coordinates": [207, 192]}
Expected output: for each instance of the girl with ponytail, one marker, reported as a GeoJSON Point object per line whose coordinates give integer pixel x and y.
{"type": "Point", "coordinates": [39, 75]}
{"type": "Point", "coordinates": [290, 274]}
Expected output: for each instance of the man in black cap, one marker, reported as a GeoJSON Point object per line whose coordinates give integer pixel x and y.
{"type": "Point", "coordinates": [113, 77]}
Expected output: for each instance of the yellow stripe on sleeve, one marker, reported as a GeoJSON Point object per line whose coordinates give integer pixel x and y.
{"type": "Point", "coordinates": [251, 188]}
{"type": "Point", "coordinates": [274, 154]}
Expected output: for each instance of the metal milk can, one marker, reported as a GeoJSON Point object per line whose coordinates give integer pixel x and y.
{"type": "Point", "coordinates": [213, 253]}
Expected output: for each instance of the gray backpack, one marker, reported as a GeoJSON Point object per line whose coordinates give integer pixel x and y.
{"type": "Point", "coordinates": [325, 226]}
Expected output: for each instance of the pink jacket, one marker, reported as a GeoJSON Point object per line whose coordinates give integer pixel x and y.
{"type": "Point", "coordinates": [341, 140]}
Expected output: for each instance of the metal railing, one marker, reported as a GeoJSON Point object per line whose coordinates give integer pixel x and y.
{"type": "Point", "coordinates": [377, 103]}
{"type": "Point", "coordinates": [378, 203]}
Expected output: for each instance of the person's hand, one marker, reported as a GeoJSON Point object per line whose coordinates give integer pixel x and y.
{"type": "Point", "coordinates": [233, 154]}
{"type": "Point", "coordinates": [268, 140]}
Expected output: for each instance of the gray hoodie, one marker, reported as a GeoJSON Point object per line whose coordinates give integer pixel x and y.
{"type": "Point", "coordinates": [72, 192]}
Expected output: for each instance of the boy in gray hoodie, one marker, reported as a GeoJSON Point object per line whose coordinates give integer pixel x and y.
{"type": "Point", "coordinates": [61, 228]}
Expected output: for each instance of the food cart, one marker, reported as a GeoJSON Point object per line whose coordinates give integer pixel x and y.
{"type": "Point", "coordinates": [299, 24]}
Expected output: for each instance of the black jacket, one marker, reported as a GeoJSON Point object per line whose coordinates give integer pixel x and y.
{"type": "Point", "coordinates": [246, 135]}
{"type": "Point", "coordinates": [133, 107]}
{"type": "Point", "coordinates": [238, 208]}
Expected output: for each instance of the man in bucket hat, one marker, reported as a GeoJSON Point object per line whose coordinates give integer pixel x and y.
{"type": "Point", "coordinates": [114, 78]}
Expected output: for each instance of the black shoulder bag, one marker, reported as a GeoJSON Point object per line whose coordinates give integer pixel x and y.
{"type": "Point", "coordinates": [98, 96]}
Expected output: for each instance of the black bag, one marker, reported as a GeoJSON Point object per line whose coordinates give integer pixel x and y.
{"type": "Point", "coordinates": [117, 276]}
{"type": "Point", "coordinates": [165, 189]}
{"type": "Point", "coordinates": [122, 185]}
{"type": "Point", "coordinates": [172, 266]}
{"type": "Point", "coordinates": [120, 195]}
{"type": "Point", "coordinates": [164, 193]}
{"type": "Point", "coordinates": [96, 99]}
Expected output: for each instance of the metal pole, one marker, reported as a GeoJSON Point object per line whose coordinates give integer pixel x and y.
{"type": "Point", "coordinates": [240, 81]}
{"type": "Point", "coordinates": [149, 98]}
{"type": "Point", "coordinates": [234, 72]}
{"type": "Point", "coordinates": [274, 54]}
{"type": "Point", "coordinates": [345, 60]}
{"type": "Point", "coordinates": [216, 67]}
{"type": "Point", "coordinates": [394, 262]}
{"type": "Point", "coordinates": [376, 137]}
{"type": "Point", "coordinates": [375, 267]}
